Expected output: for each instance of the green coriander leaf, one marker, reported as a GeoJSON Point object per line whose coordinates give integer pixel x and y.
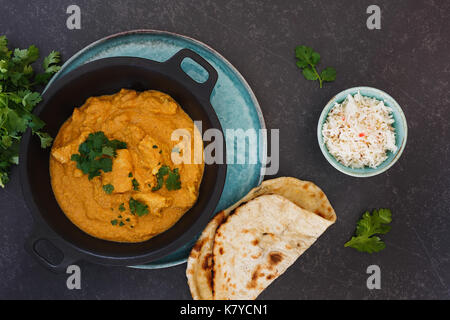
{"type": "Point", "coordinates": [328, 74]}
{"type": "Point", "coordinates": [109, 151]}
{"type": "Point", "coordinates": [32, 55]}
{"type": "Point", "coordinates": [30, 100]}
{"type": "Point", "coordinates": [364, 225]}
{"type": "Point", "coordinates": [302, 64]}
{"type": "Point", "coordinates": [365, 244]}
{"type": "Point", "coordinates": [309, 74]}
{"type": "Point", "coordinates": [27, 71]}
{"type": "Point", "coordinates": [377, 223]}
{"type": "Point", "coordinates": [6, 142]}
{"type": "Point", "coordinates": [53, 69]}
{"type": "Point", "coordinates": [18, 79]}
{"type": "Point", "coordinates": [122, 207]}
{"type": "Point", "coordinates": [46, 139]}
{"type": "Point", "coordinates": [162, 172]}
{"type": "Point", "coordinates": [304, 54]}
{"type": "Point", "coordinates": [108, 188]}
{"type": "Point", "coordinates": [138, 208]}
{"type": "Point", "coordinates": [173, 180]}
{"type": "Point", "coordinates": [4, 179]}
{"type": "Point", "coordinates": [367, 227]}
{"type": "Point", "coordinates": [4, 51]}
{"type": "Point", "coordinates": [22, 57]}
{"type": "Point", "coordinates": [315, 58]}
{"type": "Point", "coordinates": [384, 215]}
{"type": "Point", "coordinates": [116, 144]}
{"type": "Point", "coordinates": [15, 122]}
{"type": "Point", "coordinates": [307, 60]}
{"type": "Point", "coordinates": [50, 61]}
{"type": "Point", "coordinates": [42, 78]}
{"type": "Point", "coordinates": [135, 185]}
{"type": "Point", "coordinates": [114, 222]}
{"type": "Point", "coordinates": [35, 123]}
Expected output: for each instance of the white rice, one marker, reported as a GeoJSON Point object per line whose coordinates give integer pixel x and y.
{"type": "Point", "coordinates": [359, 133]}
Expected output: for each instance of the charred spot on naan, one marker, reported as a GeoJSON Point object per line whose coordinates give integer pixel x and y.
{"type": "Point", "coordinates": [220, 217]}
{"type": "Point", "coordinates": [197, 248]}
{"type": "Point", "coordinates": [256, 256]}
{"type": "Point", "coordinates": [270, 276]}
{"type": "Point", "coordinates": [207, 262]}
{"type": "Point", "coordinates": [275, 258]}
{"type": "Point", "coordinates": [254, 280]}
{"type": "Point", "coordinates": [207, 266]}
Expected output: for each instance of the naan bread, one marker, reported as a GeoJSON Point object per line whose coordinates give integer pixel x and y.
{"type": "Point", "coordinates": [199, 268]}
{"type": "Point", "coordinates": [304, 194]}
{"type": "Point", "coordinates": [258, 243]}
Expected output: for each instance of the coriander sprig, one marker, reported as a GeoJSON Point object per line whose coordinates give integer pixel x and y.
{"type": "Point", "coordinates": [18, 81]}
{"type": "Point", "coordinates": [96, 153]}
{"type": "Point", "coordinates": [308, 60]}
{"type": "Point", "coordinates": [366, 229]}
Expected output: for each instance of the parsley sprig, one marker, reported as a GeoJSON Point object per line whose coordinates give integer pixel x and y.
{"type": "Point", "coordinates": [366, 229]}
{"type": "Point", "coordinates": [96, 153]}
{"type": "Point", "coordinates": [308, 60]}
{"type": "Point", "coordinates": [18, 82]}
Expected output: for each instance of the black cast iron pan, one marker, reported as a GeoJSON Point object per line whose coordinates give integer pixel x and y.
{"type": "Point", "coordinates": [107, 76]}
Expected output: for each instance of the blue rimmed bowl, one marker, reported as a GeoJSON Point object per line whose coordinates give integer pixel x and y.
{"type": "Point", "coordinates": [400, 126]}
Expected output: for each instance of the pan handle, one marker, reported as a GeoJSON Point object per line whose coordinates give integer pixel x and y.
{"type": "Point", "coordinates": [177, 59]}
{"type": "Point", "coordinates": [31, 246]}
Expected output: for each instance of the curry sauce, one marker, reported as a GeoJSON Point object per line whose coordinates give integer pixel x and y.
{"type": "Point", "coordinates": [144, 121]}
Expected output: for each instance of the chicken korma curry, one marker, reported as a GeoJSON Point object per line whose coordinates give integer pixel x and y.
{"type": "Point", "coordinates": [111, 166]}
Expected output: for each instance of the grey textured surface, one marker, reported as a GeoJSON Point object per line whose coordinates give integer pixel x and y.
{"type": "Point", "coordinates": [408, 58]}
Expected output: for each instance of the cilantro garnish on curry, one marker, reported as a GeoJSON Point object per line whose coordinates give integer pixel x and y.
{"type": "Point", "coordinates": [108, 188]}
{"type": "Point", "coordinates": [138, 208]}
{"type": "Point", "coordinates": [173, 180]}
{"type": "Point", "coordinates": [96, 153]}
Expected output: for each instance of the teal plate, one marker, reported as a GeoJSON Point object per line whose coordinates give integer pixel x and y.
{"type": "Point", "coordinates": [232, 99]}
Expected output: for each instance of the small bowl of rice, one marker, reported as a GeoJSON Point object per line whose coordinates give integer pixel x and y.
{"type": "Point", "coordinates": [362, 131]}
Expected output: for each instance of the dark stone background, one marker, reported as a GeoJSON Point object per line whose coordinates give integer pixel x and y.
{"type": "Point", "coordinates": [408, 58]}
